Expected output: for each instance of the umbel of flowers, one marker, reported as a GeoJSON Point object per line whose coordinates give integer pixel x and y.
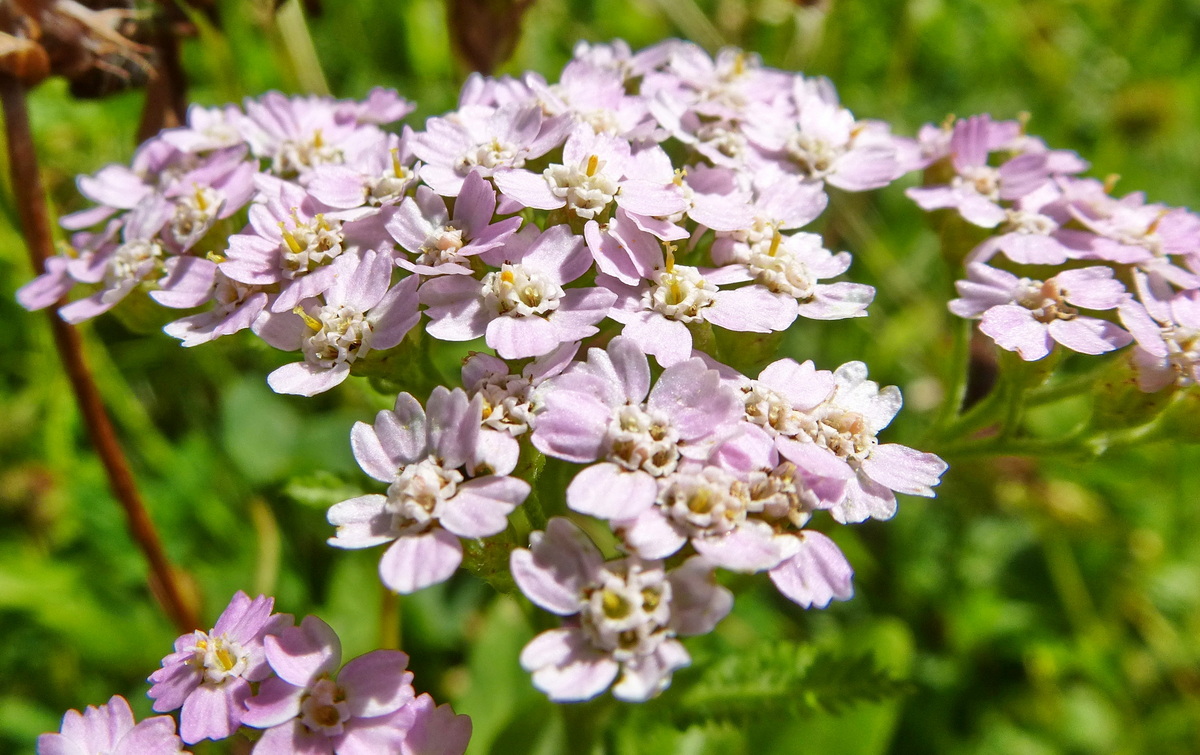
{"type": "Point", "coordinates": [585, 240]}
{"type": "Point", "coordinates": [280, 684]}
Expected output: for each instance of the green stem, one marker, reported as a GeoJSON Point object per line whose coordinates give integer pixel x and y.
{"type": "Point", "coordinates": [389, 619]}
{"type": "Point", "coordinates": [999, 445]}
{"type": "Point", "coordinates": [298, 42]}
{"type": "Point", "coordinates": [1067, 388]}
{"type": "Point", "coordinates": [957, 389]}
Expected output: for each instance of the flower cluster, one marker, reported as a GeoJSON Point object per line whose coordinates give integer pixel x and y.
{"type": "Point", "coordinates": [1091, 271]}
{"type": "Point", "coordinates": [257, 669]}
{"type": "Point", "coordinates": [595, 234]}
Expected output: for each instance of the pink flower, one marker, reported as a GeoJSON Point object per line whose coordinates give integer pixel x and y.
{"type": "Point", "coordinates": [657, 311]}
{"type": "Point", "coordinates": [604, 410]}
{"type": "Point", "coordinates": [827, 424]}
{"type": "Point", "coordinates": [359, 313]}
{"type": "Point", "coordinates": [485, 139]}
{"type": "Point", "coordinates": [209, 674]}
{"type": "Point", "coordinates": [305, 709]}
{"type": "Point", "coordinates": [623, 616]}
{"type": "Point", "coordinates": [522, 308]}
{"type": "Point", "coordinates": [444, 244]}
{"type": "Point", "coordinates": [597, 170]}
{"type": "Point", "coordinates": [977, 188]}
{"type": "Point", "coordinates": [430, 503]}
{"type": "Point", "coordinates": [110, 730]}
{"type": "Point", "coordinates": [1029, 316]}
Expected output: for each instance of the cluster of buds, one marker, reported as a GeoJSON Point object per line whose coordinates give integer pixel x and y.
{"type": "Point", "coordinates": [593, 233]}
{"type": "Point", "coordinates": [256, 669]}
{"type": "Point", "coordinates": [1089, 271]}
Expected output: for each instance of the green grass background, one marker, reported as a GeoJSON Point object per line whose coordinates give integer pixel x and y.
{"type": "Point", "coordinates": [1037, 605]}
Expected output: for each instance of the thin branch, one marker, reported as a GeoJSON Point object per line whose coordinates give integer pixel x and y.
{"type": "Point", "coordinates": [35, 223]}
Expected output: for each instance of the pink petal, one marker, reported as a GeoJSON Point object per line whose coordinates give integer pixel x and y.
{"type": "Point", "coordinates": [481, 506]}
{"type": "Point", "coordinates": [609, 492]}
{"type": "Point", "coordinates": [376, 683]}
{"type": "Point", "coordinates": [415, 562]}
{"type": "Point", "coordinates": [300, 654]}
{"type": "Point", "coordinates": [817, 574]}
{"type": "Point", "coordinates": [903, 469]}
{"type": "Point", "coordinates": [558, 566]}
{"type": "Point", "coordinates": [566, 667]}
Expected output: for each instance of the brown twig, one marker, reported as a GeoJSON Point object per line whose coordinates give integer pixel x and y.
{"type": "Point", "coordinates": [35, 222]}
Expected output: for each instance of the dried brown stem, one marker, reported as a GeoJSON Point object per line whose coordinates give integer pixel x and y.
{"type": "Point", "coordinates": [31, 208]}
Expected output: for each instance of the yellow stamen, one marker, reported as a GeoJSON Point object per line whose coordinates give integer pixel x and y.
{"type": "Point", "coordinates": [397, 168]}
{"type": "Point", "coordinates": [201, 203]}
{"type": "Point", "coordinates": [1154, 224]}
{"type": "Point", "coordinates": [320, 218]}
{"type": "Point", "coordinates": [775, 241]}
{"type": "Point", "coordinates": [507, 276]}
{"type": "Point", "coordinates": [650, 600]}
{"type": "Point", "coordinates": [680, 174]}
{"type": "Point", "coordinates": [225, 658]}
{"type": "Point", "coordinates": [289, 239]}
{"type": "Point", "coordinates": [312, 322]}
{"type": "Point", "coordinates": [669, 249]}
{"type": "Point", "coordinates": [1110, 182]}
{"type": "Point", "coordinates": [593, 163]}
{"type": "Point", "coordinates": [318, 140]}
{"type": "Point", "coordinates": [615, 606]}
{"type": "Point", "coordinates": [214, 257]}
{"type": "Point", "coordinates": [739, 64]}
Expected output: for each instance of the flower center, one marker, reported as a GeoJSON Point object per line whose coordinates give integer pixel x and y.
{"type": "Point", "coordinates": [194, 215]}
{"type": "Point", "coordinates": [308, 245]}
{"type": "Point", "coordinates": [585, 187]}
{"type": "Point", "coordinates": [219, 657]}
{"type": "Point", "coordinates": [294, 156]}
{"type": "Point", "coordinates": [813, 156]}
{"type": "Point", "coordinates": [442, 247]}
{"type": "Point", "coordinates": [341, 333]}
{"type": "Point", "coordinates": [324, 709]}
{"type": "Point", "coordinates": [518, 291]}
{"type": "Point", "coordinates": [779, 495]}
{"type": "Point", "coordinates": [642, 439]}
{"type": "Point", "coordinates": [679, 293]}
{"type": "Point", "coordinates": [777, 268]}
{"type": "Point", "coordinates": [1030, 223]}
{"type": "Point", "coordinates": [414, 496]}
{"type": "Point", "coordinates": [1183, 351]}
{"type": "Point", "coordinates": [770, 410]}
{"type": "Point", "coordinates": [843, 432]}
{"type": "Point", "coordinates": [131, 262]}
{"type": "Point", "coordinates": [982, 179]}
{"type": "Point", "coordinates": [1044, 300]}
{"type": "Point", "coordinates": [390, 186]}
{"type": "Point", "coordinates": [628, 612]}
{"type": "Point", "coordinates": [491, 155]}
{"type": "Point", "coordinates": [506, 404]}
{"type": "Point", "coordinates": [721, 136]}
{"type": "Point", "coordinates": [703, 502]}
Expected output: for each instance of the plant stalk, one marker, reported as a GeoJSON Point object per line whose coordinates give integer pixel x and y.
{"type": "Point", "coordinates": [30, 201]}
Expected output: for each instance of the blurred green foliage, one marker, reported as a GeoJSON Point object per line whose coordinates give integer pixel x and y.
{"type": "Point", "coordinates": [1038, 605]}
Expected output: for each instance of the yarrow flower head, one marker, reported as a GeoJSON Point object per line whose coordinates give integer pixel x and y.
{"type": "Point", "coordinates": [622, 616]}
{"type": "Point", "coordinates": [110, 730]}
{"type": "Point", "coordinates": [209, 674]}
{"type": "Point", "coordinates": [444, 483]}
{"type": "Point", "coordinates": [309, 706]}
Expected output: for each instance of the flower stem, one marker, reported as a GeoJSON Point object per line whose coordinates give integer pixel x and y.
{"type": "Point", "coordinates": [35, 224]}
{"type": "Point", "coordinates": [389, 619]}
{"type": "Point", "coordinates": [300, 49]}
